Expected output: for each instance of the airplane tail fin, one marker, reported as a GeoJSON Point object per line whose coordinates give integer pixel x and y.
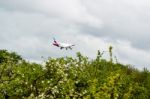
{"type": "Point", "coordinates": [54, 40]}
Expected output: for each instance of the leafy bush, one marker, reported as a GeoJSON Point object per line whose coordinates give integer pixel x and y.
{"type": "Point", "coordinates": [71, 78]}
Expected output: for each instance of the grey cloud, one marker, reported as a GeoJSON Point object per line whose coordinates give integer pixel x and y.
{"type": "Point", "coordinates": [122, 20]}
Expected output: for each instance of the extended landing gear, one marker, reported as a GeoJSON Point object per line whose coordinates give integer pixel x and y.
{"type": "Point", "coordinates": [66, 48]}
{"type": "Point", "coordinates": [70, 48]}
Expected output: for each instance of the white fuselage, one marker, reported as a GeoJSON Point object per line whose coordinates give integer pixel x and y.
{"type": "Point", "coordinates": [63, 45]}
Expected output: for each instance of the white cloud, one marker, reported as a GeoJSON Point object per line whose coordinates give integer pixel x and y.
{"type": "Point", "coordinates": [130, 55]}
{"type": "Point", "coordinates": [67, 10]}
{"type": "Point", "coordinates": [123, 19]}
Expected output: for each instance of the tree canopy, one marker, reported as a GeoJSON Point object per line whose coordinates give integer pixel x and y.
{"type": "Point", "coordinates": [71, 78]}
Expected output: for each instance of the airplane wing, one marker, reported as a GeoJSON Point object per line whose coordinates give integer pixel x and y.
{"type": "Point", "coordinates": [73, 45]}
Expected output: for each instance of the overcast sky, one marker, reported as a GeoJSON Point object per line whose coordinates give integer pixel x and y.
{"type": "Point", "coordinates": [28, 26]}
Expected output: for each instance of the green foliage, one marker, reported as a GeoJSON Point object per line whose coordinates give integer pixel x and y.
{"type": "Point", "coordinates": [5, 56]}
{"type": "Point", "coordinates": [71, 78]}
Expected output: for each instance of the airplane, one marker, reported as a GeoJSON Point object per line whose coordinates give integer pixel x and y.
{"type": "Point", "coordinates": [62, 45]}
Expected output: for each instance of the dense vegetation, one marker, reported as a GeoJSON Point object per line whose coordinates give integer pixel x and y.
{"type": "Point", "coordinates": [71, 78]}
